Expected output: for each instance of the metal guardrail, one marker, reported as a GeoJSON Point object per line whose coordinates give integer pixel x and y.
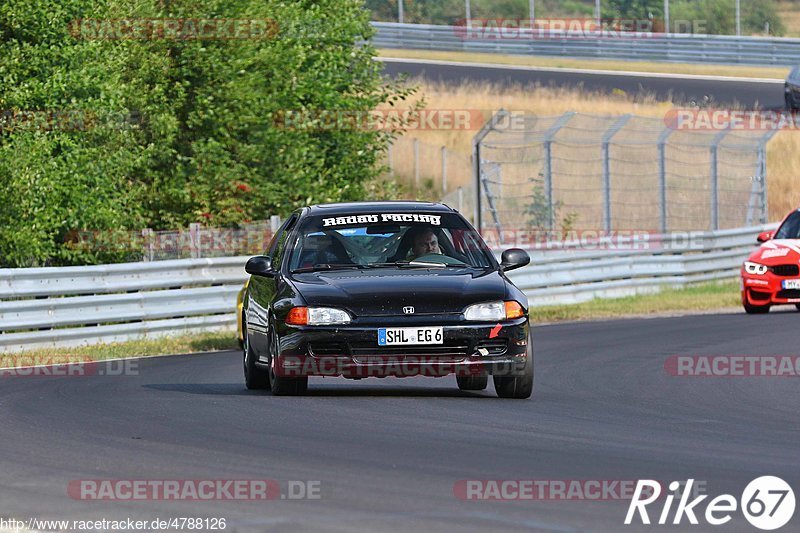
{"type": "Point", "coordinates": [70, 306]}
{"type": "Point", "coordinates": [651, 47]}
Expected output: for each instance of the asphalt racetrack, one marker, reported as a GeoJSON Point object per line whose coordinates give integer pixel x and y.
{"type": "Point", "coordinates": [388, 453]}
{"type": "Point", "coordinates": [681, 90]}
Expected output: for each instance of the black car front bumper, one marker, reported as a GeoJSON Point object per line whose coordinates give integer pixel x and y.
{"type": "Point", "coordinates": [467, 349]}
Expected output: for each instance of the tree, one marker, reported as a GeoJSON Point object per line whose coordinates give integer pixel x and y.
{"type": "Point", "coordinates": [177, 130]}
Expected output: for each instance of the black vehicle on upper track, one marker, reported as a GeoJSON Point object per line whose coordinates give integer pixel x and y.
{"type": "Point", "coordinates": [791, 89]}
{"type": "Point", "coordinates": [379, 289]}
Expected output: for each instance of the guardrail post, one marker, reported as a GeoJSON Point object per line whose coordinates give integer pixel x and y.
{"type": "Point", "coordinates": [662, 177]}
{"type": "Point", "coordinates": [607, 136]}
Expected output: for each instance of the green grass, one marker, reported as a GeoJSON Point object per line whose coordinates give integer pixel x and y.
{"type": "Point", "coordinates": [701, 297]}
{"type": "Point", "coordinates": [201, 342]}
{"type": "Point", "coordinates": [698, 298]}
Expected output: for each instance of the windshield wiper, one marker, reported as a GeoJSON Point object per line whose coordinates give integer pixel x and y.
{"type": "Point", "coordinates": [327, 266]}
{"type": "Point", "coordinates": [417, 264]}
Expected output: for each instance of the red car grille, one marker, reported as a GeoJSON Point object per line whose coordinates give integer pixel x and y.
{"type": "Point", "coordinates": [786, 270]}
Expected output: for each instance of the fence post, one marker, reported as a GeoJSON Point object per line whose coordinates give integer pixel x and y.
{"type": "Point", "coordinates": [548, 164]}
{"type": "Point", "coordinates": [662, 177]}
{"type": "Point", "coordinates": [389, 160]}
{"type": "Point", "coordinates": [607, 136]}
{"type": "Point", "coordinates": [476, 161]}
{"type": "Point", "coordinates": [147, 237]}
{"type": "Point", "coordinates": [444, 169]}
{"type": "Point", "coordinates": [416, 163]}
{"type": "Point", "coordinates": [460, 199]}
{"type": "Point", "coordinates": [715, 179]}
{"type": "Point", "coordinates": [194, 240]}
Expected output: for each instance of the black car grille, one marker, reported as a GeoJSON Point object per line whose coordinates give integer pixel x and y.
{"type": "Point", "coordinates": [451, 348]}
{"type": "Point", "coordinates": [758, 295]}
{"type": "Point", "coordinates": [493, 346]}
{"type": "Point", "coordinates": [786, 270]}
{"type": "Point", "coordinates": [327, 348]}
{"type": "Point", "coordinates": [789, 293]}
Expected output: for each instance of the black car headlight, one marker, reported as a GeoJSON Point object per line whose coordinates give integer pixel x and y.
{"type": "Point", "coordinates": [317, 316]}
{"type": "Point", "coordinates": [493, 311]}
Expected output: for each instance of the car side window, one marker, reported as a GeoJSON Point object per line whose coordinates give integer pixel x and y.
{"type": "Point", "coordinates": [279, 246]}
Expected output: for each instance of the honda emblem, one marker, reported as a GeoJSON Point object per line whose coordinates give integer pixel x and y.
{"type": "Point", "coordinates": [408, 310]}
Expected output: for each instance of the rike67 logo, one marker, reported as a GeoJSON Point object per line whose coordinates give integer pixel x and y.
{"type": "Point", "coordinates": [767, 503]}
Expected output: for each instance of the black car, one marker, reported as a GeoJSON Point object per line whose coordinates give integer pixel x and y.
{"type": "Point", "coordinates": [378, 289]}
{"type": "Point", "coordinates": [791, 90]}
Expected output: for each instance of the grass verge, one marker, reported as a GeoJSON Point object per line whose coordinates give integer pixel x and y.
{"type": "Point", "coordinates": [592, 64]}
{"type": "Point", "coordinates": [701, 297]}
{"type": "Point", "coordinates": [201, 342]}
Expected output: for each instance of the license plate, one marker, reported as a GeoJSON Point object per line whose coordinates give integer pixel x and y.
{"type": "Point", "coordinates": [404, 336]}
{"type": "Point", "coordinates": [791, 283]}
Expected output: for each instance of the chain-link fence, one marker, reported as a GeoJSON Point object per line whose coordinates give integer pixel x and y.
{"type": "Point", "coordinates": [194, 242]}
{"type": "Point", "coordinates": [617, 173]}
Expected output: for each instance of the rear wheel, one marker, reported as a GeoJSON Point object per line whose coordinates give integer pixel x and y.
{"type": "Point", "coordinates": [797, 306]}
{"type": "Point", "coordinates": [472, 382]}
{"type": "Point", "coordinates": [282, 385]}
{"type": "Point", "coordinates": [518, 386]}
{"type": "Point", "coordinates": [751, 309]}
{"type": "Point", "coordinates": [254, 378]}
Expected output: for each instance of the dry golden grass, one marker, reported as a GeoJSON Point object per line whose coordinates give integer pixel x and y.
{"type": "Point", "coordinates": [792, 25]}
{"type": "Point", "coordinates": [783, 152]}
{"type": "Point", "coordinates": [789, 12]}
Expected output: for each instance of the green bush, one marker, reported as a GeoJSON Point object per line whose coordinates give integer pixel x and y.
{"type": "Point", "coordinates": [176, 131]}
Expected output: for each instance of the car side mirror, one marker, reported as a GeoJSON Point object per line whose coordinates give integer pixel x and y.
{"type": "Point", "coordinates": [514, 258]}
{"type": "Point", "coordinates": [260, 265]}
{"type": "Point", "coordinates": [764, 236]}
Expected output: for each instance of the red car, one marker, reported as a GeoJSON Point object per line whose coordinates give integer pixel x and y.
{"type": "Point", "coordinates": [771, 275]}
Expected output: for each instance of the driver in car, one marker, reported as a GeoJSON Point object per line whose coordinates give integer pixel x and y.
{"type": "Point", "coordinates": [424, 242]}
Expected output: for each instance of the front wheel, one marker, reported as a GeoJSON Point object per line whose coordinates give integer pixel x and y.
{"type": "Point", "coordinates": [282, 385]}
{"type": "Point", "coordinates": [518, 386]}
{"type": "Point", "coordinates": [472, 382]}
{"type": "Point", "coordinates": [254, 378]}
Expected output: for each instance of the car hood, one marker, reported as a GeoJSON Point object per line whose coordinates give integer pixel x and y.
{"type": "Point", "coordinates": [777, 252]}
{"type": "Point", "coordinates": [385, 292]}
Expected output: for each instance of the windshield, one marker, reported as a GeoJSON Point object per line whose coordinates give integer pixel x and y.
{"type": "Point", "coordinates": [790, 229]}
{"type": "Point", "coordinates": [388, 240]}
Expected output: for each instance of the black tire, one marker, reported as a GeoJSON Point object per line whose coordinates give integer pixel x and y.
{"type": "Point", "coordinates": [281, 385]}
{"type": "Point", "coordinates": [797, 306]}
{"type": "Point", "coordinates": [254, 378]}
{"type": "Point", "coordinates": [472, 382]}
{"type": "Point", "coordinates": [519, 386]}
{"type": "Point", "coordinates": [755, 309]}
